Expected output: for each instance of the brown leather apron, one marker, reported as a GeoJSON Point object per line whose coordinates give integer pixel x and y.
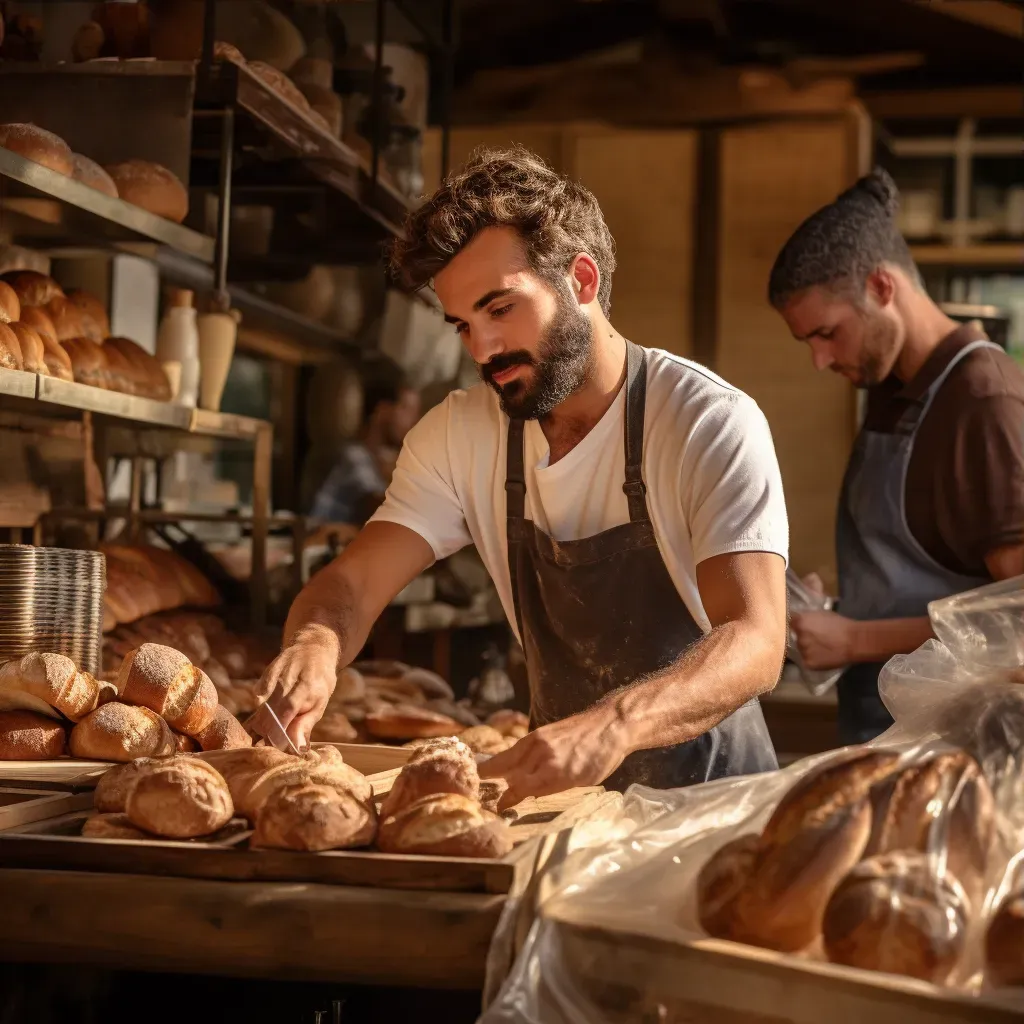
{"type": "Point", "coordinates": [599, 613]}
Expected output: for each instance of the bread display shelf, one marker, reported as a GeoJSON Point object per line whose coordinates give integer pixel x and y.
{"type": "Point", "coordinates": [19, 807]}
{"type": "Point", "coordinates": [52, 391]}
{"type": "Point", "coordinates": [64, 211]}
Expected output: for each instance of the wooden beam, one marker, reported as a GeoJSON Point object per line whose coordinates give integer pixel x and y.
{"type": "Point", "coordinates": [977, 101]}
{"type": "Point", "coordinates": [282, 348]}
{"type": "Point", "coordinates": [992, 14]}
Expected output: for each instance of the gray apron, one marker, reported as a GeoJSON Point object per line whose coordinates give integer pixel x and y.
{"type": "Point", "coordinates": [602, 612]}
{"type": "Point", "coordinates": [884, 573]}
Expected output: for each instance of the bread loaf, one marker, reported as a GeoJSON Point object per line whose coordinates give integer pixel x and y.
{"type": "Point", "coordinates": [280, 83]}
{"type": "Point", "coordinates": [898, 912]}
{"type": "Point", "coordinates": [49, 683]}
{"type": "Point", "coordinates": [1004, 943]}
{"type": "Point", "coordinates": [37, 318]}
{"type": "Point", "coordinates": [350, 686]}
{"type": "Point", "coordinates": [482, 739]}
{"type": "Point", "coordinates": [33, 288]}
{"type": "Point", "coordinates": [181, 800]}
{"type": "Point", "coordinates": [442, 766]}
{"type": "Point", "coordinates": [722, 886]}
{"type": "Point", "coordinates": [95, 324]}
{"type": "Point", "coordinates": [165, 681]}
{"type": "Point", "coordinates": [121, 732]}
{"type": "Point", "coordinates": [114, 785]}
{"type": "Point", "coordinates": [10, 350]}
{"type": "Point", "coordinates": [28, 736]}
{"type": "Point", "coordinates": [428, 683]}
{"type": "Point", "coordinates": [66, 319]}
{"type": "Point", "coordinates": [148, 377]}
{"type": "Point", "coordinates": [151, 187]}
{"type": "Point", "coordinates": [446, 825]}
{"type": "Point", "coordinates": [334, 727]}
{"type": "Point", "coordinates": [88, 172]}
{"type": "Point", "coordinates": [38, 145]}
{"type": "Point", "coordinates": [407, 722]}
{"type": "Point", "coordinates": [510, 723]}
{"type": "Point", "coordinates": [121, 375]}
{"type": "Point", "coordinates": [10, 304]}
{"type": "Point", "coordinates": [335, 774]}
{"type": "Point", "coordinates": [224, 732]}
{"type": "Point", "coordinates": [112, 826]}
{"type": "Point", "coordinates": [308, 816]}
{"type": "Point", "coordinates": [42, 354]}
{"type": "Point", "coordinates": [88, 362]}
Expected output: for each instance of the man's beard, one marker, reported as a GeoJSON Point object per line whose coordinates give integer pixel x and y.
{"type": "Point", "coordinates": [877, 355]}
{"type": "Point", "coordinates": [561, 366]}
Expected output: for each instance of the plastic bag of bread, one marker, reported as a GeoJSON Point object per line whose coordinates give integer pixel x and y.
{"type": "Point", "coordinates": [898, 856]}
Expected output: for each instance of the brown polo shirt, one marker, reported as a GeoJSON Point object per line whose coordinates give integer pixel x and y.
{"type": "Point", "coordinates": [965, 483]}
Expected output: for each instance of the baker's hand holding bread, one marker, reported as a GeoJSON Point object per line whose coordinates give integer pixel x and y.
{"type": "Point", "coordinates": [627, 504]}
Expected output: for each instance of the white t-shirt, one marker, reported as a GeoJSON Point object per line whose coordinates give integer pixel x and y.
{"type": "Point", "coordinates": [713, 481]}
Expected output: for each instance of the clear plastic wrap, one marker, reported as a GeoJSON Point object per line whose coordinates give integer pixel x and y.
{"type": "Point", "coordinates": [801, 598]}
{"type": "Point", "coordinates": [900, 856]}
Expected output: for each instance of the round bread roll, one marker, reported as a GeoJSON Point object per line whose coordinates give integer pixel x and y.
{"type": "Point", "coordinates": [88, 172]}
{"type": "Point", "coordinates": [151, 187]}
{"type": "Point", "coordinates": [114, 785]}
{"type": "Point", "coordinates": [10, 304]}
{"type": "Point", "coordinates": [94, 321]}
{"type": "Point", "coordinates": [313, 817]}
{"type": "Point", "coordinates": [224, 732]}
{"type": "Point", "coordinates": [28, 736]}
{"type": "Point", "coordinates": [165, 681]}
{"type": "Point", "coordinates": [510, 723]}
{"type": "Point", "coordinates": [408, 722]}
{"type": "Point", "coordinates": [334, 727]}
{"type": "Point", "coordinates": [10, 349]}
{"type": "Point", "coordinates": [1004, 943]}
{"type": "Point", "coordinates": [446, 825]}
{"type": "Point", "coordinates": [112, 826]}
{"type": "Point", "coordinates": [445, 766]}
{"type": "Point", "coordinates": [47, 684]}
{"type": "Point", "coordinates": [482, 739]}
{"type": "Point", "coordinates": [183, 800]}
{"type": "Point", "coordinates": [121, 732]}
{"type": "Point", "coordinates": [33, 288]}
{"type": "Point", "coordinates": [898, 913]}
{"type": "Point", "coordinates": [38, 145]}
{"type": "Point", "coordinates": [67, 319]}
{"type": "Point", "coordinates": [280, 83]}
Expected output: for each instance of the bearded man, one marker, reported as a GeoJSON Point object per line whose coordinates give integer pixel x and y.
{"type": "Point", "coordinates": [627, 503]}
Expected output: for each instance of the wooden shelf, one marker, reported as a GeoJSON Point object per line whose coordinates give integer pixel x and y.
{"type": "Point", "coordinates": [997, 255]}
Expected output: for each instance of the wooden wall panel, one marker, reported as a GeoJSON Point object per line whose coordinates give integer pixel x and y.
{"type": "Point", "coordinates": [772, 177]}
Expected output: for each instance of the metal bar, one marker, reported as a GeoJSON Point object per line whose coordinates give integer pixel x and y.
{"type": "Point", "coordinates": [376, 101]}
{"type": "Point", "coordinates": [222, 300]}
{"type": "Point", "coordinates": [261, 473]}
{"type": "Point", "coordinates": [447, 87]}
{"type": "Point", "coordinates": [209, 34]}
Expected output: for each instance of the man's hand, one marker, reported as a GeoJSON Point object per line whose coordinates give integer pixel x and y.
{"type": "Point", "coordinates": [824, 639]}
{"type": "Point", "coordinates": [582, 750]}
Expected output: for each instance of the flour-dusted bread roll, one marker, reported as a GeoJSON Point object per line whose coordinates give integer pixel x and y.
{"type": "Point", "coordinates": [152, 187]}
{"type": "Point", "coordinates": [901, 913]}
{"type": "Point", "coordinates": [114, 785]}
{"type": "Point", "coordinates": [318, 771]}
{"type": "Point", "coordinates": [10, 304]}
{"type": "Point", "coordinates": [510, 723]}
{"type": "Point", "coordinates": [482, 739]}
{"type": "Point", "coordinates": [181, 800]}
{"type": "Point", "coordinates": [241, 767]}
{"type": "Point", "coordinates": [88, 172]}
{"type": "Point", "coordinates": [818, 832]}
{"type": "Point", "coordinates": [93, 314]}
{"type": "Point", "coordinates": [48, 684]}
{"type": "Point", "coordinates": [445, 825]}
{"type": "Point", "coordinates": [1004, 943]}
{"type": "Point", "coordinates": [38, 145]}
{"type": "Point", "coordinates": [308, 816]}
{"type": "Point", "coordinates": [112, 826]}
{"type": "Point", "coordinates": [121, 732]}
{"type": "Point", "coordinates": [444, 766]}
{"type": "Point", "coordinates": [10, 349]}
{"type": "Point", "coordinates": [224, 732]}
{"type": "Point", "coordinates": [28, 736]}
{"type": "Point", "coordinates": [165, 681]}
{"type": "Point", "coordinates": [409, 722]}
{"type": "Point", "coordinates": [184, 744]}
{"type": "Point", "coordinates": [33, 288]}
{"type": "Point", "coordinates": [89, 362]}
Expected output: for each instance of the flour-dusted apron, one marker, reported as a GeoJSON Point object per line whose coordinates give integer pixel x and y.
{"type": "Point", "coordinates": [601, 612]}
{"type": "Point", "coordinates": [884, 573]}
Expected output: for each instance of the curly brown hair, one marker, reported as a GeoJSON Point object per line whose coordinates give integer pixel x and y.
{"type": "Point", "coordinates": [557, 219]}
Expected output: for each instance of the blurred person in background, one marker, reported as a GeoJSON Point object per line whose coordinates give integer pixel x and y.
{"type": "Point", "coordinates": [933, 499]}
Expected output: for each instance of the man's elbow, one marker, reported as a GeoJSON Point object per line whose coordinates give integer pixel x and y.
{"type": "Point", "coordinates": [768, 655]}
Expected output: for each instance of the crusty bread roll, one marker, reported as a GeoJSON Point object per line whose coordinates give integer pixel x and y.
{"type": "Point", "coordinates": [147, 374]}
{"type": "Point", "coordinates": [38, 145]}
{"type": "Point", "coordinates": [33, 288]}
{"type": "Point", "coordinates": [10, 350]}
{"type": "Point", "coordinates": [454, 710]}
{"type": "Point", "coordinates": [408, 722]}
{"type": "Point", "coordinates": [111, 826]}
{"type": "Point", "coordinates": [121, 732]}
{"type": "Point", "coordinates": [510, 723]}
{"type": "Point", "coordinates": [941, 805]}
{"type": "Point", "coordinates": [316, 770]}
{"type": "Point", "coordinates": [445, 825]}
{"type": "Point", "coordinates": [395, 691]}
{"type": "Point", "coordinates": [165, 681]}
{"type": "Point", "coordinates": [443, 766]}
{"type": "Point", "coordinates": [428, 683]}
{"type": "Point", "coordinates": [114, 785]}
{"type": "Point", "coordinates": [351, 686]}
{"type": "Point", "coordinates": [898, 912]}
{"type": "Point", "coordinates": [308, 816]}
{"type": "Point", "coordinates": [151, 187]}
{"type": "Point", "coordinates": [334, 727]}
{"type": "Point", "coordinates": [10, 304]}
{"type": "Point", "coordinates": [28, 736]}
{"type": "Point", "coordinates": [66, 318]}
{"type": "Point", "coordinates": [224, 732]}
{"type": "Point", "coordinates": [280, 83]}
{"type": "Point", "coordinates": [49, 683]}
{"type": "Point", "coordinates": [37, 318]}
{"type": "Point", "coordinates": [41, 354]}
{"type": "Point", "coordinates": [184, 744]}
{"type": "Point", "coordinates": [491, 792]}
{"type": "Point", "coordinates": [1004, 943]}
{"type": "Point", "coordinates": [88, 362]}
{"type": "Point", "coordinates": [95, 323]}
{"type": "Point", "coordinates": [482, 739]}
{"type": "Point", "coordinates": [774, 893]}
{"type": "Point", "coordinates": [181, 800]}
{"type": "Point", "coordinates": [88, 172]}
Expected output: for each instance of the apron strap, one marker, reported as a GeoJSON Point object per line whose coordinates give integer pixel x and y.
{"type": "Point", "coordinates": [515, 510]}
{"type": "Point", "coordinates": [636, 403]}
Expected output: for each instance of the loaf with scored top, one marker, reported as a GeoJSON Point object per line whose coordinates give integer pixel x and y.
{"type": "Point", "coordinates": [165, 681]}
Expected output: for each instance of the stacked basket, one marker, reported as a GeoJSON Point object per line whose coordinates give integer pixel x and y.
{"type": "Point", "coordinates": [51, 599]}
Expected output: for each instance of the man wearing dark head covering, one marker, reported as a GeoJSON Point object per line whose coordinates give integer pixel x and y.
{"type": "Point", "coordinates": [933, 499]}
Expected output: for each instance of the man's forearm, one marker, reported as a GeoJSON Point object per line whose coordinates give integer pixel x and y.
{"type": "Point", "coordinates": [733, 663]}
{"type": "Point", "coordinates": [327, 612]}
{"type": "Point", "coordinates": [880, 639]}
